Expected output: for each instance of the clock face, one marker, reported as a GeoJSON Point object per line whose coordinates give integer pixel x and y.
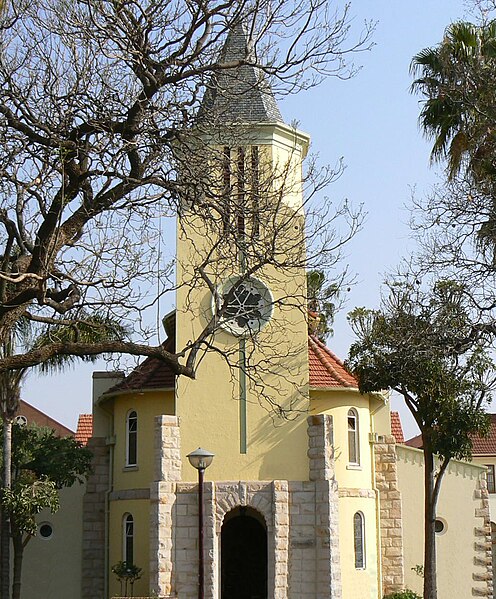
{"type": "Point", "coordinates": [246, 305]}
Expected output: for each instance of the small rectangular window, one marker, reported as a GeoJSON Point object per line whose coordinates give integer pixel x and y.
{"type": "Point", "coordinates": [491, 487]}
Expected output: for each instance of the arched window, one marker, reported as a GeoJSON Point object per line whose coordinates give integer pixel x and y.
{"type": "Point", "coordinates": [128, 539]}
{"type": "Point", "coordinates": [359, 540]}
{"type": "Point", "coordinates": [353, 437]}
{"type": "Point", "coordinates": [132, 438]}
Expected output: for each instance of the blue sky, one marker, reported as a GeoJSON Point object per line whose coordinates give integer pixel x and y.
{"type": "Point", "coordinates": [371, 121]}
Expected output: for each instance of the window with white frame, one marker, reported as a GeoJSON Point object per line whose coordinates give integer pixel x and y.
{"type": "Point", "coordinates": [128, 539]}
{"type": "Point", "coordinates": [353, 437]}
{"type": "Point", "coordinates": [359, 540]}
{"type": "Point", "coordinates": [132, 438]}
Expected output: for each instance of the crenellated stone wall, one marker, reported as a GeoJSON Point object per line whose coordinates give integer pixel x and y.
{"type": "Point", "coordinates": [482, 543]}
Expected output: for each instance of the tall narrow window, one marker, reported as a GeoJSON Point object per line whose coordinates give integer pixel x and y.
{"type": "Point", "coordinates": [132, 438]}
{"type": "Point", "coordinates": [226, 178]}
{"type": "Point", "coordinates": [491, 486]}
{"type": "Point", "coordinates": [128, 539]}
{"type": "Point", "coordinates": [255, 191]}
{"type": "Point", "coordinates": [353, 438]}
{"type": "Point", "coordinates": [240, 200]}
{"type": "Point", "coordinates": [359, 540]}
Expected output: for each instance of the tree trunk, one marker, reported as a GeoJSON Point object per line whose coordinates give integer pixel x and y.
{"type": "Point", "coordinates": [5, 523]}
{"type": "Point", "coordinates": [18, 555]}
{"type": "Point", "coordinates": [430, 573]}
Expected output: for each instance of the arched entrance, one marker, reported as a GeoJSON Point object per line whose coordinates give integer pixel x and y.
{"type": "Point", "coordinates": [243, 555]}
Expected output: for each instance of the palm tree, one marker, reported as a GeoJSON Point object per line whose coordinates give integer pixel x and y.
{"type": "Point", "coordinates": [90, 329]}
{"type": "Point", "coordinates": [321, 303]}
{"type": "Point", "coordinates": [457, 79]}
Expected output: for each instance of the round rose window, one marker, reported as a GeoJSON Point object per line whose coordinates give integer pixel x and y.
{"type": "Point", "coordinates": [244, 305]}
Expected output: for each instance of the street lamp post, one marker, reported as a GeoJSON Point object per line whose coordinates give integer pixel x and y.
{"type": "Point", "coordinates": [201, 460]}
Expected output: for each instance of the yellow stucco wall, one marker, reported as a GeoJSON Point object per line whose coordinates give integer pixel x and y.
{"type": "Point", "coordinates": [139, 509]}
{"type": "Point", "coordinates": [457, 505]}
{"type": "Point", "coordinates": [355, 483]}
{"type": "Point", "coordinates": [358, 583]}
{"type": "Point", "coordinates": [209, 407]}
{"type": "Point", "coordinates": [147, 406]}
{"type": "Point", "coordinates": [338, 404]}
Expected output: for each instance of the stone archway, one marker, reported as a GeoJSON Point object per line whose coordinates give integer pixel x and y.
{"type": "Point", "coordinates": [244, 555]}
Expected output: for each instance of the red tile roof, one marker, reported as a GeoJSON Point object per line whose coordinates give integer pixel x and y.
{"type": "Point", "coordinates": [150, 374]}
{"type": "Point", "coordinates": [326, 369]}
{"type": "Point", "coordinates": [33, 415]}
{"type": "Point", "coordinates": [84, 428]}
{"type": "Point", "coordinates": [481, 446]}
{"type": "Point", "coordinates": [396, 428]}
{"type": "Point", "coordinates": [486, 445]}
{"type": "Point", "coordinates": [415, 442]}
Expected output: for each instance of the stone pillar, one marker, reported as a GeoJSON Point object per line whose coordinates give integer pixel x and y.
{"type": "Point", "coordinates": [210, 542]}
{"type": "Point", "coordinates": [391, 528]}
{"type": "Point", "coordinates": [167, 470]}
{"type": "Point", "coordinates": [280, 502]}
{"type": "Point", "coordinates": [483, 545]}
{"type": "Point", "coordinates": [94, 550]}
{"type": "Point", "coordinates": [321, 470]}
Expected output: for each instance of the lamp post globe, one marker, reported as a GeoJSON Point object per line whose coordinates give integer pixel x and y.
{"type": "Point", "coordinates": [200, 459]}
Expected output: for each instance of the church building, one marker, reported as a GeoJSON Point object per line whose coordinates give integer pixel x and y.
{"type": "Point", "coordinates": [309, 495]}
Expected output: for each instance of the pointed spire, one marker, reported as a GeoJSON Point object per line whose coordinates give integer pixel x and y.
{"type": "Point", "coordinates": [241, 94]}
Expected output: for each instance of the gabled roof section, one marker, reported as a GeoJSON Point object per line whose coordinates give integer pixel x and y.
{"type": "Point", "coordinates": [326, 369]}
{"type": "Point", "coordinates": [481, 446]}
{"type": "Point", "coordinates": [149, 375]}
{"type": "Point", "coordinates": [35, 416]}
{"type": "Point", "coordinates": [396, 427]}
{"type": "Point", "coordinates": [84, 428]}
{"type": "Point", "coordinates": [240, 94]}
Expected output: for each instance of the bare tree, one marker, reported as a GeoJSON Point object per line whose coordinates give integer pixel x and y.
{"type": "Point", "coordinates": [95, 99]}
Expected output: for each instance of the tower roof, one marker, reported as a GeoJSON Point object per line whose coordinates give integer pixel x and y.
{"type": "Point", "coordinates": [239, 93]}
{"type": "Point", "coordinates": [326, 369]}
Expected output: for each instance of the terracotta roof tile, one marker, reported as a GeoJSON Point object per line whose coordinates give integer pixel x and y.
{"type": "Point", "coordinates": [481, 446]}
{"type": "Point", "coordinates": [396, 428]}
{"type": "Point", "coordinates": [486, 445]}
{"type": "Point", "coordinates": [33, 415]}
{"type": "Point", "coordinates": [326, 369]}
{"type": "Point", "coordinates": [150, 374]}
{"type": "Point", "coordinates": [84, 428]}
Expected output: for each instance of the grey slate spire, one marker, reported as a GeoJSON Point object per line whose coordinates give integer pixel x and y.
{"type": "Point", "coordinates": [241, 94]}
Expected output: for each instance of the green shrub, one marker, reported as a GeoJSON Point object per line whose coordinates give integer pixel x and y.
{"type": "Point", "coordinates": [405, 594]}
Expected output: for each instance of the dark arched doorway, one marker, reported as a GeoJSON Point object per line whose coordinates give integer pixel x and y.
{"type": "Point", "coordinates": [243, 555]}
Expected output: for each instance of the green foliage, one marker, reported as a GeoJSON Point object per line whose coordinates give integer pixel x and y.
{"type": "Point", "coordinates": [321, 299]}
{"type": "Point", "coordinates": [457, 78]}
{"type": "Point", "coordinates": [126, 571]}
{"type": "Point", "coordinates": [405, 594]}
{"type": "Point", "coordinates": [418, 569]}
{"type": "Point", "coordinates": [42, 463]}
{"type": "Point", "coordinates": [38, 450]}
{"type": "Point", "coordinates": [421, 344]}
{"type": "Point", "coordinates": [27, 498]}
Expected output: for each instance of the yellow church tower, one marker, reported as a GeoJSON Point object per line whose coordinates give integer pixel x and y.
{"type": "Point", "coordinates": [242, 285]}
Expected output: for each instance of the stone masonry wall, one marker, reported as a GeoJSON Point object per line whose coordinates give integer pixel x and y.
{"type": "Point", "coordinates": [391, 529]}
{"type": "Point", "coordinates": [301, 519]}
{"type": "Point", "coordinates": [163, 508]}
{"type": "Point", "coordinates": [482, 544]}
{"type": "Point", "coordinates": [93, 566]}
